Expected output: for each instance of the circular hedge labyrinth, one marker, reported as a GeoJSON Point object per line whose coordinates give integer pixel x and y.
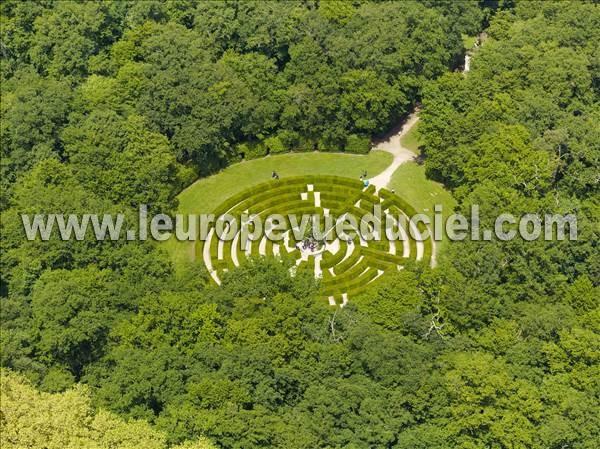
{"type": "Point", "coordinates": [344, 267]}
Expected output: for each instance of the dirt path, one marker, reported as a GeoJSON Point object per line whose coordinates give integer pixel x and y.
{"type": "Point", "coordinates": [401, 154]}
{"type": "Point", "coordinates": [392, 144]}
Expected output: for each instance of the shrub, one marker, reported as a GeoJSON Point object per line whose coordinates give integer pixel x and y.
{"type": "Point", "coordinates": [289, 139]}
{"type": "Point", "coordinates": [331, 145]}
{"type": "Point", "coordinates": [251, 150]}
{"type": "Point", "coordinates": [345, 265]}
{"type": "Point", "coordinates": [358, 144]}
{"type": "Point", "coordinates": [274, 145]}
{"type": "Point", "coordinates": [353, 283]}
{"type": "Point", "coordinates": [331, 260]}
{"type": "Point", "coordinates": [305, 145]}
{"type": "Point", "coordinates": [369, 192]}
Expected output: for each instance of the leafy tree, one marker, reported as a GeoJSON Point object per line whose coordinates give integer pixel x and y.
{"type": "Point", "coordinates": [68, 420]}
{"type": "Point", "coordinates": [72, 312]}
{"type": "Point", "coordinates": [69, 34]}
{"type": "Point", "coordinates": [367, 101]}
{"type": "Point", "coordinates": [138, 165]}
{"type": "Point", "coordinates": [32, 116]}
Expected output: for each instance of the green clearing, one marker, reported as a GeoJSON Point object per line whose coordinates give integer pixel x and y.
{"type": "Point", "coordinates": [410, 182]}
{"type": "Point", "coordinates": [207, 193]}
{"type": "Point", "coordinates": [355, 266]}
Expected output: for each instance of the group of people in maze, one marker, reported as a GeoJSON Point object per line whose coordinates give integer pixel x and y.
{"type": "Point", "coordinates": [311, 244]}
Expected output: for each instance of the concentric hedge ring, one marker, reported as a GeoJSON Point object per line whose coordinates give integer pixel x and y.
{"type": "Point", "coordinates": [345, 268]}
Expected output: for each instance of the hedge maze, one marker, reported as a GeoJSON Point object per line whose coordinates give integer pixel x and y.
{"type": "Point", "coordinates": [344, 267]}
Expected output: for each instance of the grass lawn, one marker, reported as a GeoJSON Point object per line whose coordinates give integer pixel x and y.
{"type": "Point", "coordinates": [207, 193]}
{"type": "Point", "coordinates": [411, 140]}
{"type": "Point", "coordinates": [410, 183]}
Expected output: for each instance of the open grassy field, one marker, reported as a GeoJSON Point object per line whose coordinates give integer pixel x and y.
{"type": "Point", "coordinates": [410, 183]}
{"type": "Point", "coordinates": [207, 193]}
{"type": "Point", "coordinates": [411, 140]}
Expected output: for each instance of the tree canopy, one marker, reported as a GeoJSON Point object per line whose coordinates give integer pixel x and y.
{"type": "Point", "coordinates": [106, 105]}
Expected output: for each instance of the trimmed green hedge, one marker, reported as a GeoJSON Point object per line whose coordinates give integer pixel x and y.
{"type": "Point", "coordinates": [349, 262]}
{"type": "Point", "coordinates": [353, 272]}
{"type": "Point", "coordinates": [251, 150]}
{"type": "Point", "coordinates": [379, 264]}
{"type": "Point", "coordinates": [338, 194]}
{"type": "Point", "coordinates": [391, 258]}
{"type": "Point", "coordinates": [352, 283]}
{"type": "Point", "coordinates": [369, 191]}
{"type": "Point", "coordinates": [330, 260]}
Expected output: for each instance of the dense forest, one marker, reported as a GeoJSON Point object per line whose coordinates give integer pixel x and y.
{"type": "Point", "coordinates": [106, 105]}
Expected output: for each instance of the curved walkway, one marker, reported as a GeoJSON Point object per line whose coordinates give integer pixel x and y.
{"type": "Point", "coordinates": [394, 146]}
{"type": "Point", "coordinates": [402, 154]}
